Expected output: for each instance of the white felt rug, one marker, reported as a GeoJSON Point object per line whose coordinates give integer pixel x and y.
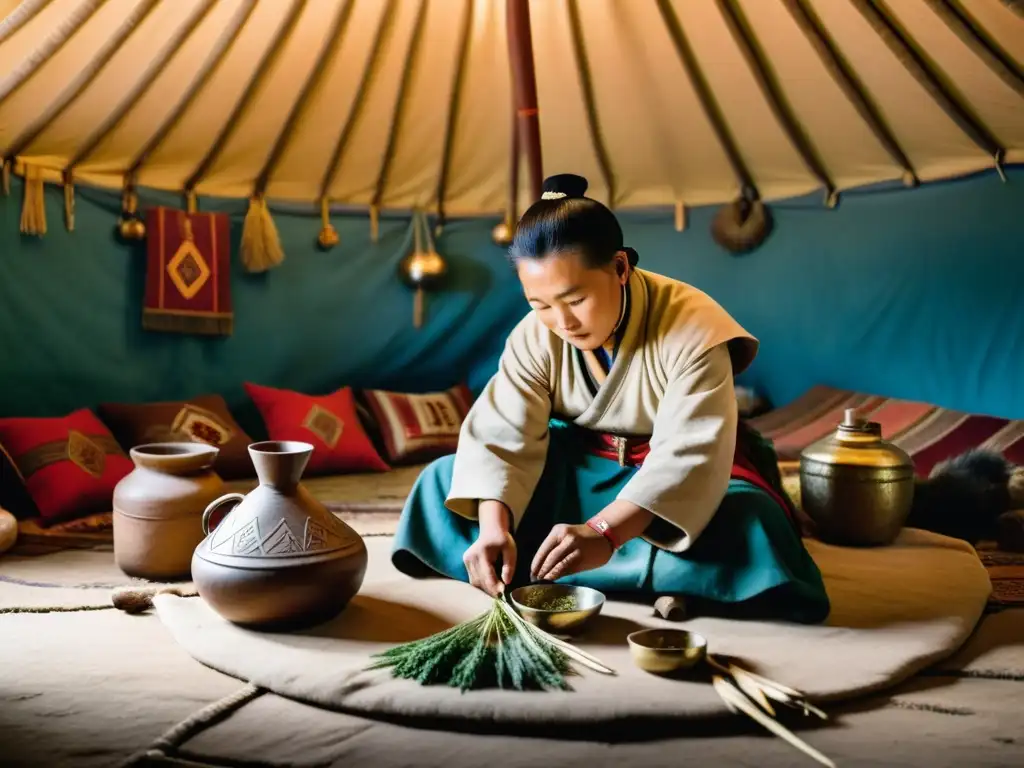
{"type": "Point", "coordinates": [895, 611]}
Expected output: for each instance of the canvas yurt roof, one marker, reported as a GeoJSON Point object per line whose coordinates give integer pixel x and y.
{"type": "Point", "coordinates": [403, 103]}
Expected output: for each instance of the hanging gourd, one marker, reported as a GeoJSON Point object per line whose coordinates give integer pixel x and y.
{"type": "Point", "coordinates": [424, 267]}
{"type": "Point", "coordinates": [742, 225]}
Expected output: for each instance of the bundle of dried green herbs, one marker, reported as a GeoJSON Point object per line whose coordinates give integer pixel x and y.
{"type": "Point", "coordinates": [498, 649]}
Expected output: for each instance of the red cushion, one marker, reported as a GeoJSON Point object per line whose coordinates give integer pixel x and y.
{"type": "Point", "coordinates": [329, 422]}
{"type": "Point", "coordinates": [69, 464]}
{"type": "Point", "coordinates": [419, 427]}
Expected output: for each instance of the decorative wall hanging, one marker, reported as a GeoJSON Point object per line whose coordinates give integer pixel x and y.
{"type": "Point", "coordinates": [421, 269]}
{"type": "Point", "coordinates": [188, 273]}
{"type": "Point", "coordinates": [741, 226]}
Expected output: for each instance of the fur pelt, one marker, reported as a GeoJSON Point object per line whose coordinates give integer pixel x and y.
{"type": "Point", "coordinates": [964, 497]}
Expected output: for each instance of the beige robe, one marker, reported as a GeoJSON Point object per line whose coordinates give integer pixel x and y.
{"type": "Point", "coordinates": [672, 381]}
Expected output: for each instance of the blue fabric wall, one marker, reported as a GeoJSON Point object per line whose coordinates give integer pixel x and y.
{"type": "Point", "coordinates": [913, 294]}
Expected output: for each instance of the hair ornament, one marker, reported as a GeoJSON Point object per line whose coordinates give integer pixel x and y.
{"type": "Point", "coordinates": [553, 195]}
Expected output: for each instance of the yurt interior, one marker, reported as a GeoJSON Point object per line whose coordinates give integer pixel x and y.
{"type": "Point", "coordinates": [511, 382]}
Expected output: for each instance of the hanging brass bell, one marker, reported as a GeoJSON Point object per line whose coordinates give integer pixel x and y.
{"type": "Point", "coordinates": [328, 237]}
{"type": "Point", "coordinates": [502, 234]}
{"type": "Point", "coordinates": [422, 269]}
{"type": "Point", "coordinates": [131, 227]}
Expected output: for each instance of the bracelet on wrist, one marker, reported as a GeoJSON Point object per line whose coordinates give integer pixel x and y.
{"type": "Point", "coordinates": [600, 525]}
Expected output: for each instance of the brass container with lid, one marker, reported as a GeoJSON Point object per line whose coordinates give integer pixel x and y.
{"type": "Point", "coordinates": [855, 486]}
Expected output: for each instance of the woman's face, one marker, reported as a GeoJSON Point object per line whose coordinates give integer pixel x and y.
{"type": "Point", "coordinates": [581, 305]}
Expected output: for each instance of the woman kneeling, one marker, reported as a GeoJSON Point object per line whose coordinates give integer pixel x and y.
{"type": "Point", "coordinates": [607, 450]}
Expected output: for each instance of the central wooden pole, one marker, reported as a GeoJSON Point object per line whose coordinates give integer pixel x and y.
{"type": "Point", "coordinates": [524, 89]}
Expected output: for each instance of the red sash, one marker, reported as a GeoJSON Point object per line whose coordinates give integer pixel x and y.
{"type": "Point", "coordinates": [631, 452]}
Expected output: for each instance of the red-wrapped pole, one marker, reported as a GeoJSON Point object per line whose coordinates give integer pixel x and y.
{"type": "Point", "coordinates": [513, 173]}
{"type": "Point", "coordinates": [524, 89]}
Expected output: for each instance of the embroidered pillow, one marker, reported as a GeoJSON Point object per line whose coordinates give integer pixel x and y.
{"type": "Point", "coordinates": [329, 422]}
{"type": "Point", "coordinates": [69, 464]}
{"type": "Point", "coordinates": [203, 419]}
{"type": "Point", "coordinates": [419, 427]}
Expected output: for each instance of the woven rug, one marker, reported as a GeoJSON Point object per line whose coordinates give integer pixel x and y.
{"type": "Point", "coordinates": [1006, 570]}
{"type": "Point", "coordinates": [928, 433]}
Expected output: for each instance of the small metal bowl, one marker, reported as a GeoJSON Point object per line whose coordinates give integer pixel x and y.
{"type": "Point", "coordinates": [588, 604]}
{"type": "Point", "coordinates": [663, 651]}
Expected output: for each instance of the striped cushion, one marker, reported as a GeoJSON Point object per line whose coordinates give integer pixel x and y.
{"type": "Point", "coordinates": [417, 428]}
{"type": "Point", "coordinates": [928, 433]}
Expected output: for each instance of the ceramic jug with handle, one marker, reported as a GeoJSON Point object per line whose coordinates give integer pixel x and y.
{"type": "Point", "coordinates": [278, 559]}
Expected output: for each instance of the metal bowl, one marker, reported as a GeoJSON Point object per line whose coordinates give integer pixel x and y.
{"type": "Point", "coordinates": [663, 651]}
{"type": "Point", "coordinates": [530, 600]}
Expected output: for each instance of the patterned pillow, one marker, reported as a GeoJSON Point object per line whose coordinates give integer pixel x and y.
{"type": "Point", "coordinates": [204, 419]}
{"type": "Point", "coordinates": [329, 422]}
{"type": "Point", "coordinates": [419, 427]}
{"type": "Point", "coordinates": [68, 464]}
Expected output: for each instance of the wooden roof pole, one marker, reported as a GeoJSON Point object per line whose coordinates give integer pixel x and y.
{"type": "Point", "coordinates": [524, 89]}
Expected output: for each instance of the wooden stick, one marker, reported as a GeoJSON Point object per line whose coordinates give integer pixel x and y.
{"type": "Point", "coordinates": [417, 307]}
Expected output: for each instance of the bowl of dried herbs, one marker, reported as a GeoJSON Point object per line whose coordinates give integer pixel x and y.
{"type": "Point", "coordinates": [561, 609]}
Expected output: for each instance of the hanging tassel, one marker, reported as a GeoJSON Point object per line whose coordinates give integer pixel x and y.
{"type": "Point", "coordinates": [374, 223]}
{"type": "Point", "coordinates": [328, 237]}
{"type": "Point", "coordinates": [69, 202]}
{"type": "Point", "coordinates": [261, 246]}
{"type": "Point", "coordinates": [680, 216]}
{"type": "Point", "coordinates": [191, 203]}
{"type": "Point", "coordinates": [33, 209]}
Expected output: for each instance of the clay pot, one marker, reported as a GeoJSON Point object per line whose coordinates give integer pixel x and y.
{"type": "Point", "coordinates": [278, 560]}
{"type": "Point", "coordinates": [158, 508]}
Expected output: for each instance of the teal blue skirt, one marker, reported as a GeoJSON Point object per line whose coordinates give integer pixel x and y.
{"type": "Point", "coordinates": [749, 562]}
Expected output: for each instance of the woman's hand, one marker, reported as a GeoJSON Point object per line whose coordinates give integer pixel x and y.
{"type": "Point", "coordinates": [575, 548]}
{"type": "Point", "coordinates": [493, 542]}
{"type": "Point", "coordinates": [570, 549]}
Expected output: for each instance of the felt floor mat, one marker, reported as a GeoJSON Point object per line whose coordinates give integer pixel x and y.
{"type": "Point", "coordinates": [933, 724]}
{"type": "Point", "coordinates": [895, 611]}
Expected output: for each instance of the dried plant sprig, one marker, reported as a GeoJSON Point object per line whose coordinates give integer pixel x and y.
{"type": "Point", "coordinates": [497, 649]}
{"type": "Point", "coordinates": [745, 692]}
{"type": "Point", "coordinates": [737, 701]}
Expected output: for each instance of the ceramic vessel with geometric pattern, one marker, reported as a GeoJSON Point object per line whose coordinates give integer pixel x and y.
{"type": "Point", "coordinates": [278, 559]}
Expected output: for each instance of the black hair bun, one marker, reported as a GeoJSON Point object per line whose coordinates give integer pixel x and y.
{"type": "Point", "coordinates": [568, 184]}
